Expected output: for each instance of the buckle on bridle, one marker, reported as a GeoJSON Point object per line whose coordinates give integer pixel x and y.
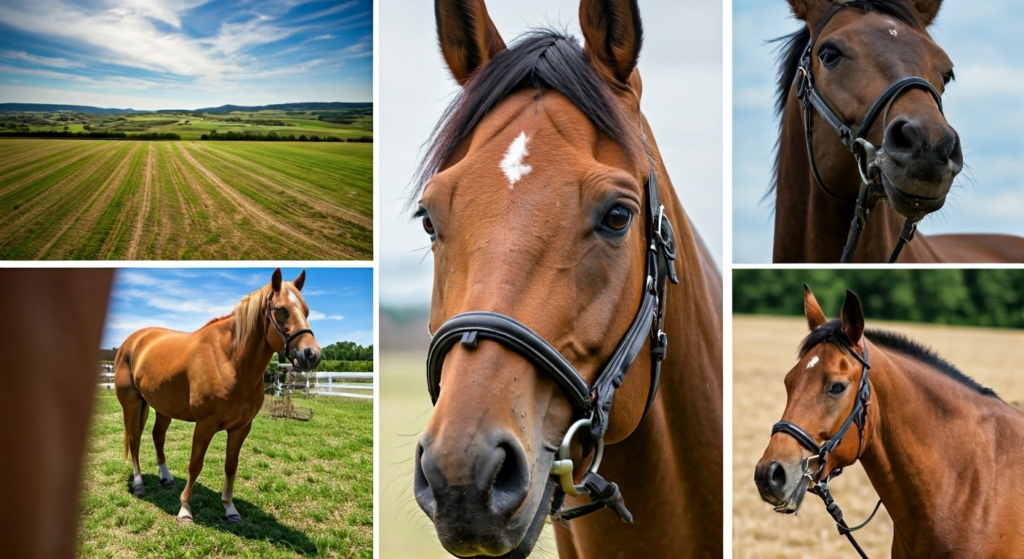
{"type": "Point", "coordinates": [867, 160]}
{"type": "Point", "coordinates": [563, 465]}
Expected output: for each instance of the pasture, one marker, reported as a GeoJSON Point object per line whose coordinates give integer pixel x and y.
{"type": "Point", "coordinates": [128, 200]}
{"type": "Point", "coordinates": [405, 410]}
{"type": "Point", "coordinates": [765, 348]}
{"type": "Point", "coordinates": [304, 489]}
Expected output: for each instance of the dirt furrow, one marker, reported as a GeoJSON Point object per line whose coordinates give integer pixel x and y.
{"type": "Point", "coordinates": [274, 180]}
{"type": "Point", "coordinates": [90, 211]}
{"type": "Point", "coordinates": [143, 210]}
{"type": "Point", "coordinates": [259, 217]}
{"type": "Point", "coordinates": [17, 161]}
{"type": "Point", "coordinates": [119, 229]}
{"type": "Point", "coordinates": [49, 170]}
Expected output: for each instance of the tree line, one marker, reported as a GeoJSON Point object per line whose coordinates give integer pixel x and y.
{"type": "Point", "coordinates": [91, 135]}
{"type": "Point", "coordinates": [993, 298]}
{"type": "Point", "coordinates": [251, 136]}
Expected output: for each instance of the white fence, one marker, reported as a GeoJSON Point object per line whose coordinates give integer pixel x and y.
{"type": "Point", "coordinates": [326, 385]}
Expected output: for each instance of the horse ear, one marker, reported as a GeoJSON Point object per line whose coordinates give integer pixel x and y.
{"type": "Point", "coordinates": [467, 36]}
{"type": "Point", "coordinates": [809, 11]}
{"type": "Point", "coordinates": [812, 310]}
{"type": "Point", "coordinates": [852, 317]}
{"type": "Point", "coordinates": [275, 280]}
{"type": "Point", "coordinates": [927, 9]}
{"type": "Point", "coordinates": [613, 35]}
{"type": "Point", "coordinates": [300, 281]}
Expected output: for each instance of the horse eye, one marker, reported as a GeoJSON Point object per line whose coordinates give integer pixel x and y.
{"type": "Point", "coordinates": [837, 388]}
{"type": "Point", "coordinates": [617, 219]}
{"type": "Point", "coordinates": [829, 56]}
{"type": "Point", "coordinates": [428, 226]}
{"type": "Point", "coordinates": [948, 77]}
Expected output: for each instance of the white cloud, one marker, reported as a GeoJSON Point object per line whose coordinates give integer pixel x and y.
{"type": "Point", "coordinates": [40, 60]}
{"type": "Point", "coordinates": [317, 315]}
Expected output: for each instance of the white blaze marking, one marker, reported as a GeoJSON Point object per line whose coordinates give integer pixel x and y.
{"type": "Point", "coordinates": [512, 164]}
{"type": "Point", "coordinates": [893, 32]}
{"type": "Point", "coordinates": [814, 361]}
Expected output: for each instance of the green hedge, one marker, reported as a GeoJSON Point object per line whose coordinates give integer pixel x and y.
{"type": "Point", "coordinates": [331, 365]}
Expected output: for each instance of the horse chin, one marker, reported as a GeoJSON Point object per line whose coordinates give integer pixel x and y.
{"type": "Point", "coordinates": [794, 502]}
{"type": "Point", "coordinates": [913, 198]}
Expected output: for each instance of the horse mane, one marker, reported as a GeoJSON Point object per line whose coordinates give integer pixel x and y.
{"type": "Point", "coordinates": [248, 315]}
{"type": "Point", "coordinates": [543, 59]}
{"type": "Point", "coordinates": [833, 331]}
{"type": "Point", "coordinates": [791, 48]}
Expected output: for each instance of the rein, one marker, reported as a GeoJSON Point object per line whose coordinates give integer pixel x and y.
{"type": "Point", "coordinates": [591, 402]}
{"type": "Point", "coordinates": [858, 416]}
{"type": "Point", "coordinates": [288, 338]}
{"type": "Point", "coordinates": [867, 156]}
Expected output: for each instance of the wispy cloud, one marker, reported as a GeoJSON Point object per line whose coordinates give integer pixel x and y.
{"type": "Point", "coordinates": [317, 315]}
{"type": "Point", "coordinates": [40, 60]}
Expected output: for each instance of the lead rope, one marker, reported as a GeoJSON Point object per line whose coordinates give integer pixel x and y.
{"type": "Point", "coordinates": [821, 490]}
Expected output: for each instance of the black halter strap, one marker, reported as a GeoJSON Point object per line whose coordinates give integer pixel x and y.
{"type": "Point", "coordinates": [858, 416]}
{"type": "Point", "coordinates": [871, 190]}
{"type": "Point", "coordinates": [591, 402]}
{"type": "Point", "coordinates": [288, 337]}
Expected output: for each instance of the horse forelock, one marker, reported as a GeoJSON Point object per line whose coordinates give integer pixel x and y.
{"type": "Point", "coordinates": [248, 316]}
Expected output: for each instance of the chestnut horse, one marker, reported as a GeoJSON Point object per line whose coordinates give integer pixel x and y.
{"type": "Point", "coordinates": [865, 75]}
{"type": "Point", "coordinates": [541, 193]}
{"type": "Point", "coordinates": [944, 454]}
{"type": "Point", "coordinates": [212, 377]}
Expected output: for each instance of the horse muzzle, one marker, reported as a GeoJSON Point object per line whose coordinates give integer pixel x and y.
{"type": "Point", "coordinates": [918, 165]}
{"type": "Point", "coordinates": [782, 484]}
{"type": "Point", "coordinates": [306, 359]}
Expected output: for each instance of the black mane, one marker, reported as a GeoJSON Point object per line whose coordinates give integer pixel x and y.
{"type": "Point", "coordinates": [791, 48]}
{"type": "Point", "coordinates": [544, 59]}
{"type": "Point", "coordinates": [833, 330]}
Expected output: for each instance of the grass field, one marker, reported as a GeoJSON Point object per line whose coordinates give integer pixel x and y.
{"type": "Point", "coordinates": [405, 410]}
{"type": "Point", "coordinates": [95, 199]}
{"type": "Point", "coordinates": [765, 350]}
{"type": "Point", "coordinates": [304, 489]}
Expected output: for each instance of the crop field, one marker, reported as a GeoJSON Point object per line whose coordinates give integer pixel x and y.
{"type": "Point", "coordinates": [765, 350]}
{"type": "Point", "coordinates": [405, 410]}
{"type": "Point", "coordinates": [98, 199]}
{"type": "Point", "coordinates": [303, 488]}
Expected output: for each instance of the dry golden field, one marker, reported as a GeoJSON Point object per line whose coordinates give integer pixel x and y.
{"type": "Point", "coordinates": [404, 411]}
{"type": "Point", "coordinates": [765, 348]}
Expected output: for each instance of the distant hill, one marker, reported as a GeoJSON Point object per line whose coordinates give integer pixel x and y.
{"type": "Point", "coordinates": [44, 108]}
{"type": "Point", "coordinates": [285, 107]}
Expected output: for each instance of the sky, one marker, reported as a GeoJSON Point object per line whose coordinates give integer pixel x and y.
{"type": "Point", "coordinates": [681, 66]}
{"type": "Point", "coordinates": [340, 300]}
{"type": "Point", "coordinates": [185, 54]}
{"type": "Point", "coordinates": [984, 105]}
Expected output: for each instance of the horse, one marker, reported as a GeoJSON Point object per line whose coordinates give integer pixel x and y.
{"type": "Point", "coordinates": [561, 281]}
{"type": "Point", "coordinates": [55, 321]}
{"type": "Point", "coordinates": [212, 377]}
{"type": "Point", "coordinates": [865, 76]}
{"type": "Point", "coordinates": [942, 452]}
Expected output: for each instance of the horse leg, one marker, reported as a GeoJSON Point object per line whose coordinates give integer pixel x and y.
{"type": "Point", "coordinates": [235, 439]}
{"type": "Point", "coordinates": [136, 411]}
{"type": "Point", "coordinates": [201, 438]}
{"type": "Point", "coordinates": [159, 436]}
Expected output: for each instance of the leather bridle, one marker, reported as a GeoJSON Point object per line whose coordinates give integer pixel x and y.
{"type": "Point", "coordinates": [288, 338]}
{"type": "Point", "coordinates": [820, 479]}
{"type": "Point", "coordinates": [591, 402]}
{"type": "Point", "coordinates": [867, 155]}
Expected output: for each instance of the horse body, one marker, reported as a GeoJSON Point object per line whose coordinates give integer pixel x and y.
{"type": "Point", "coordinates": [212, 377]}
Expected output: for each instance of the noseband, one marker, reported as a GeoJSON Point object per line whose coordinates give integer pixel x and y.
{"type": "Point", "coordinates": [858, 416]}
{"type": "Point", "coordinates": [288, 338]}
{"type": "Point", "coordinates": [867, 155]}
{"type": "Point", "coordinates": [591, 403]}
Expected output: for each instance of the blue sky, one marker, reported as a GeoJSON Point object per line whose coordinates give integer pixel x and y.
{"type": "Point", "coordinates": [340, 300]}
{"type": "Point", "coordinates": [985, 105]}
{"type": "Point", "coordinates": [185, 54]}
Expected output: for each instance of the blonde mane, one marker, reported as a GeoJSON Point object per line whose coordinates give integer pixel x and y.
{"type": "Point", "coordinates": [248, 315]}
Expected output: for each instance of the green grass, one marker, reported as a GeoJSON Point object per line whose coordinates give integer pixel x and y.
{"type": "Point", "coordinates": [304, 489]}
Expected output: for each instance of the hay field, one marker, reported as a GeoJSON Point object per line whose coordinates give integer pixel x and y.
{"type": "Point", "coordinates": [404, 411]}
{"type": "Point", "coordinates": [765, 349]}
{"type": "Point", "coordinates": [133, 200]}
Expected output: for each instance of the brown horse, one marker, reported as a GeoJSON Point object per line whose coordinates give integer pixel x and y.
{"type": "Point", "coordinates": [540, 195]}
{"type": "Point", "coordinates": [945, 455]}
{"type": "Point", "coordinates": [54, 321]}
{"type": "Point", "coordinates": [212, 377]}
{"type": "Point", "coordinates": [851, 58]}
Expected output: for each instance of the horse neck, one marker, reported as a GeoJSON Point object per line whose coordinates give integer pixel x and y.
{"type": "Point", "coordinates": [251, 358]}
{"type": "Point", "coordinates": [926, 431]}
{"type": "Point", "coordinates": [811, 226]}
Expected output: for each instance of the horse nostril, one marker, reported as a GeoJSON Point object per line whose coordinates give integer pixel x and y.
{"type": "Point", "coordinates": [422, 474]}
{"type": "Point", "coordinates": [511, 480]}
{"type": "Point", "coordinates": [902, 138]}
{"type": "Point", "coordinates": [776, 476]}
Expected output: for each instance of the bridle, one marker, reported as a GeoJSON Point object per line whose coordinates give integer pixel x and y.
{"type": "Point", "coordinates": [858, 416]}
{"type": "Point", "coordinates": [591, 403]}
{"type": "Point", "coordinates": [288, 338]}
{"type": "Point", "coordinates": [867, 155]}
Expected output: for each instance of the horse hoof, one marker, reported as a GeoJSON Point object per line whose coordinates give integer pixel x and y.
{"type": "Point", "coordinates": [185, 520]}
{"type": "Point", "coordinates": [168, 483]}
{"type": "Point", "coordinates": [139, 491]}
{"type": "Point", "coordinates": [233, 519]}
